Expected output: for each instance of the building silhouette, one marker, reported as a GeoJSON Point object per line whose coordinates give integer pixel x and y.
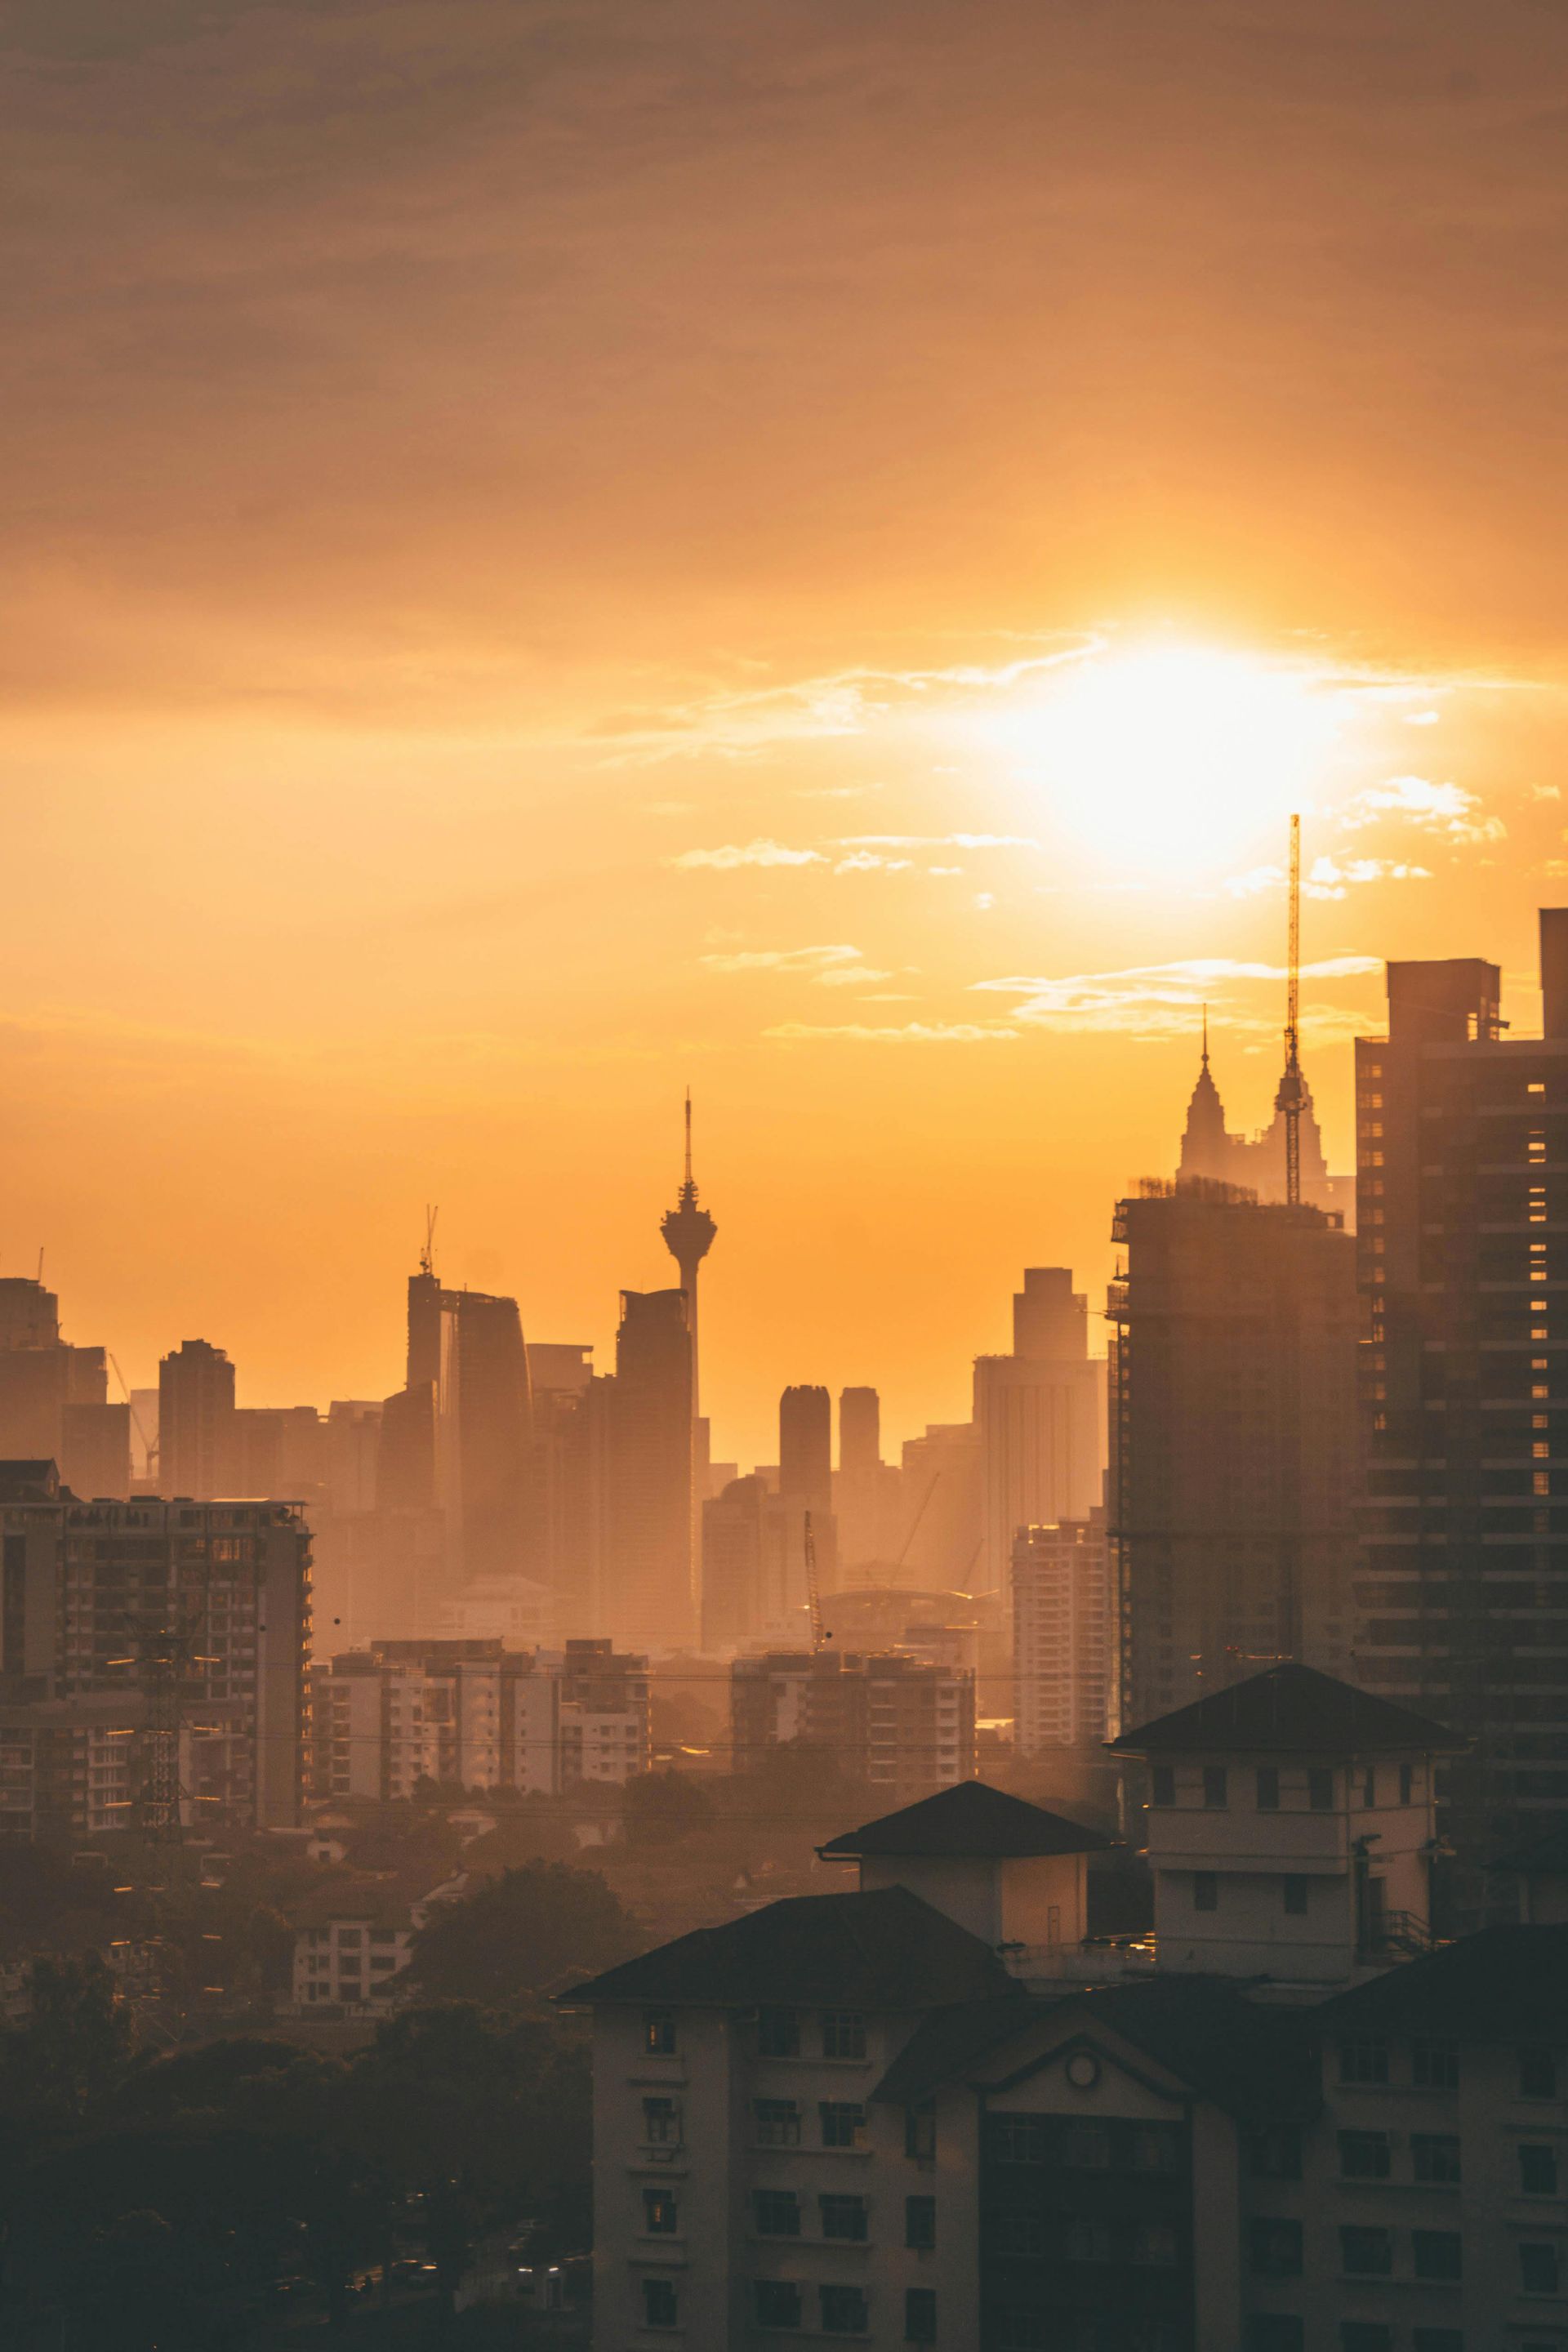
{"type": "Point", "coordinates": [868, 1492]}
{"type": "Point", "coordinates": [688, 1232]}
{"type": "Point", "coordinates": [648, 1586]}
{"type": "Point", "coordinates": [1462, 1141]}
{"type": "Point", "coordinates": [746, 1585]}
{"type": "Point", "coordinates": [1233, 1441]}
{"type": "Point", "coordinates": [196, 1432]}
{"type": "Point", "coordinates": [805, 1482]}
{"type": "Point", "coordinates": [1212, 1154]}
{"type": "Point", "coordinates": [1039, 1412]}
{"type": "Point", "coordinates": [54, 1397]}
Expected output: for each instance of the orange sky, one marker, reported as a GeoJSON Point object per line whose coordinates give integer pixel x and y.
{"type": "Point", "coordinates": [474, 470]}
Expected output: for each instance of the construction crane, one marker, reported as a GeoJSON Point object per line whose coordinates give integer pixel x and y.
{"type": "Point", "coordinates": [1292, 1087]}
{"type": "Point", "coordinates": [813, 1591]}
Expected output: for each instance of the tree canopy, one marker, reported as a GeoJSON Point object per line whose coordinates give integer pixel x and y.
{"type": "Point", "coordinates": [528, 1932]}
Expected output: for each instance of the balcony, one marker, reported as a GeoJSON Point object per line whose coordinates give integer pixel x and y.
{"type": "Point", "coordinates": [1098, 1960]}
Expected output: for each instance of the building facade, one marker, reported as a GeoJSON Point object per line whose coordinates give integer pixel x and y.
{"type": "Point", "coordinates": [1064, 1635]}
{"type": "Point", "coordinates": [901, 1722]}
{"type": "Point", "coordinates": [1040, 1414]}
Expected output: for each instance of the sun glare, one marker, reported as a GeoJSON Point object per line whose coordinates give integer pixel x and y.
{"type": "Point", "coordinates": [1173, 758]}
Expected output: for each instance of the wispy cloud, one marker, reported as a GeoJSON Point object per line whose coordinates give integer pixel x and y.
{"type": "Point", "coordinates": [1441, 808]}
{"type": "Point", "coordinates": [909, 1032]}
{"type": "Point", "coordinates": [829, 967]}
{"type": "Point", "coordinates": [939, 841]}
{"type": "Point", "coordinates": [1327, 878]}
{"type": "Point", "coordinates": [746, 853]}
{"type": "Point", "coordinates": [1149, 1000]}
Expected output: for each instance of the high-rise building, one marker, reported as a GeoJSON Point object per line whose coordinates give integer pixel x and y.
{"type": "Point", "coordinates": [1211, 1154]}
{"type": "Point", "coordinates": [746, 1587]}
{"type": "Point", "coordinates": [868, 1492]}
{"type": "Point", "coordinates": [1463, 1172]}
{"type": "Point", "coordinates": [805, 1482]}
{"type": "Point", "coordinates": [1233, 1441]}
{"type": "Point", "coordinates": [196, 1422]}
{"type": "Point", "coordinates": [54, 1397]}
{"type": "Point", "coordinates": [901, 1722]}
{"type": "Point", "coordinates": [1063, 1635]}
{"type": "Point", "coordinates": [942, 1530]}
{"type": "Point", "coordinates": [1039, 1412]}
{"type": "Point", "coordinates": [648, 1588]}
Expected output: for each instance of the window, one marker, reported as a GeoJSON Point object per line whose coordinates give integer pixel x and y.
{"type": "Point", "coordinates": [844, 2217]}
{"type": "Point", "coordinates": [776, 2303]}
{"type": "Point", "coordinates": [1538, 2269]}
{"type": "Point", "coordinates": [1206, 1891]}
{"type": "Point", "coordinates": [777, 2212]}
{"type": "Point", "coordinates": [1026, 2331]}
{"type": "Point", "coordinates": [778, 2032]}
{"type": "Point", "coordinates": [845, 2311]}
{"type": "Point", "coordinates": [1088, 2241]}
{"type": "Point", "coordinates": [920, 2133]}
{"type": "Point", "coordinates": [1536, 2074]}
{"type": "Point", "coordinates": [843, 2034]}
{"type": "Point", "coordinates": [777, 2122]}
{"type": "Point", "coordinates": [1538, 2171]}
{"type": "Point", "coordinates": [1438, 2339]}
{"type": "Point", "coordinates": [659, 2212]}
{"type": "Point", "coordinates": [660, 2123]}
{"type": "Point", "coordinates": [1369, 1784]}
{"type": "Point", "coordinates": [842, 2123]}
{"type": "Point", "coordinates": [919, 2315]}
{"type": "Point", "coordinates": [1088, 2147]}
{"type": "Point", "coordinates": [660, 2307]}
{"type": "Point", "coordinates": [1276, 2154]}
{"type": "Point", "coordinates": [1155, 2245]}
{"type": "Point", "coordinates": [1363, 2156]}
{"type": "Point", "coordinates": [1406, 1784]}
{"type": "Point", "coordinates": [1296, 1898]}
{"type": "Point", "coordinates": [1436, 2158]}
{"type": "Point", "coordinates": [1268, 2331]}
{"type": "Point", "coordinates": [658, 2042]}
{"type": "Point", "coordinates": [1162, 1785]}
{"type": "Point", "coordinates": [1364, 2062]}
{"type": "Point", "coordinates": [1214, 1787]}
{"type": "Point", "coordinates": [1321, 1789]}
{"type": "Point", "coordinates": [1016, 2139]}
{"type": "Point", "coordinates": [1435, 2066]}
{"type": "Point", "coordinates": [1268, 1788]}
{"type": "Point", "coordinates": [1439, 2253]}
{"type": "Point", "coordinates": [919, 2223]}
{"type": "Point", "coordinates": [1365, 2336]}
{"type": "Point", "coordinates": [1366, 2252]}
{"type": "Point", "coordinates": [1274, 2248]}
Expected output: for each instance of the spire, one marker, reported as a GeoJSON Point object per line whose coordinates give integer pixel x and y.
{"type": "Point", "coordinates": [690, 1187]}
{"type": "Point", "coordinates": [1206, 1061]}
{"type": "Point", "coordinates": [1206, 1145]}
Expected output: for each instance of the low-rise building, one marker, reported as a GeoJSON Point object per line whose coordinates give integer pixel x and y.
{"type": "Point", "coordinates": [350, 1952]}
{"type": "Point", "coordinates": [905, 2114]}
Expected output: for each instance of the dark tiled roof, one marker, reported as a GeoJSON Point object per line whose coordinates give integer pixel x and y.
{"type": "Point", "coordinates": [969, 1817]}
{"type": "Point", "coordinates": [883, 1950]}
{"type": "Point", "coordinates": [1506, 1984]}
{"type": "Point", "coordinates": [1253, 2060]}
{"type": "Point", "coordinates": [1290, 1710]}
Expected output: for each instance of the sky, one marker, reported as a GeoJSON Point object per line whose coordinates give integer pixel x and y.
{"type": "Point", "coordinates": [556, 553]}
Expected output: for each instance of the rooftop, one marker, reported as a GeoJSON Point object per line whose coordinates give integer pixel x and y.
{"type": "Point", "coordinates": [1291, 1710]}
{"type": "Point", "coordinates": [1505, 1984]}
{"type": "Point", "coordinates": [969, 1817]}
{"type": "Point", "coordinates": [883, 1950]}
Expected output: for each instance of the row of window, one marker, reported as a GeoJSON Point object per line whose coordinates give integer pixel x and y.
{"type": "Point", "coordinates": [1370, 1787]}
{"type": "Point", "coordinates": [1283, 2331]}
{"type": "Point", "coordinates": [776, 2122]}
{"type": "Point", "coordinates": [1433, 2063]}
{"type": "Point", "coordinates": [1086, 2238]}
{"type": "Point", "coordinates": [841, 2034]}
{"type": "Point", "coordinates": [842, 2215]}
{"type": "Point", "coordinates": [1075, 2145]}
{"type": "Point", "coordinates": [1274, 2251]}
{"type": "Point", "coordinates": [781, 2303]}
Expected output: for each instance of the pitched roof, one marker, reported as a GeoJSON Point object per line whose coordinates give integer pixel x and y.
{"type": "Point", "coordinates": [1251, 2058]}
{"type": "Point", "coordinates": [883, 1950]}
{"type": "Point", "coordinates": [969, 1817]}
{"type": "Point", "coordinates": [1290, 1710]}
{"type": "Point", "coordinates": [1504, 1984]}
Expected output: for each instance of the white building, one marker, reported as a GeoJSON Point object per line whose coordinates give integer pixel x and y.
{"type": "Point", "coordinates": [349, 1952]}
{"type": "Point", "coordinates": [1062, 1647]}
{"type": "Point", "coordinates": [901, 1722]}
{"type": "Point", "coordinates": [904, 2115]}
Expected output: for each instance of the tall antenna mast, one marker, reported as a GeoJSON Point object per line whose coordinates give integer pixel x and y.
{"type": "Point", "coordinates": [689, 1135]}
{"type": "Point", "coordinates": [1289, 1098]}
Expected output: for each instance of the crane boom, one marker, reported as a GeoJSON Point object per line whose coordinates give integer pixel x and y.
{"type": "Point", "coordinates": [813, 1591]}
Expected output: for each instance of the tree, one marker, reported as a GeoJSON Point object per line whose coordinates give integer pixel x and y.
{"type": "Point", "coordinates": [526, 1932]}
{"type": "Point", "coordinates": [659, 1808]}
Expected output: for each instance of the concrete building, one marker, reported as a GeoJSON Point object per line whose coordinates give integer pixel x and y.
{"type": "Point", "coordinates": [805, 1485]}
{"type": "Point", "coordinates": [196, 1422]}
{"type": "Point", "coordinates": [350, 1952]}
{"type": "Point", "coordinates": [899, 1721]}
{"type": "Point", "coordinates": [1064, 1635]}
{"type": "Point", "coordinates": [906, 2115]}
{"type": "Point", "coordinates": [944, 1517]}
{"type": "Point", "coordinates": [868, 1492]}
{"type": "Point", "coordinates": [751, 1577]}
{"type": "Point", "coordinates": [54, 1402]}
{"type": "Point", "coordinates": [1040, 1416]}
{"type": "Point", "coordinates": [88, 1589]}
{"type": "Point", "coordinates": [1462, 1142]}
{"type": "Point", "coordinates": [1234, 1454]}
{"type": "Point", "coordinates": [647, 1592]}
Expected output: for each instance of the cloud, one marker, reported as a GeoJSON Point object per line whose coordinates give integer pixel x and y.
{"type": "Point", "coordinates": [1327, 878]}
{"type": "Point", "coordinates": [748, 853]}
{"type": "Point", "coordinates": [866, 861]}
{"type": "Point", "coordinates": [940, 841]}
{"type": "Point", "coordinates": [1420, 718]}
{"type": "Point", "coordinates": [853, 975]}
{"type": "Point", "coordinates": [1442, 808]}
{"type": "Point", "coordinates": [911, 1033]}
{"type": "Point", "coordinates": [811, 960]}
{"type": "Point", "coordinates": [1151, 1000]}
{"type": "Point", "coordinates": [1546, 792]}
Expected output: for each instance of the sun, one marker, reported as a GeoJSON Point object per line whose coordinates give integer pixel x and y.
{"type": "Point", "coordinates": [1172, 758]}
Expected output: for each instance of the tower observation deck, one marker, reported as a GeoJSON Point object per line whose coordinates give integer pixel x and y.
{"type": "Point", "coordinates": [688, 1232]}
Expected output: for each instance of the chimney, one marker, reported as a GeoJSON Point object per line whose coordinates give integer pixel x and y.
{"type": "Point", "coordinates": [1554, 971]}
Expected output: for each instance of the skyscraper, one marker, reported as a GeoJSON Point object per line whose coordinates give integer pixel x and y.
{"type": "Point", "coordinates": [806, 1480]}
{"type": "Point", "coordinates": [1462, 1143]}
{"type": "Point", "coordinates": [196, 1422]}
{"type": "Point", "coordinates": [648, 1587]}
{"type": "Point", "coordinates": [1210, 1152]}
{"type": "Point", "coordinates": [1039, 1412]}
{"type": "Point", "coordinates": [688, 1232]}
{"type": "Point", "coordinates": [1233, 1439]}
{"type": "Point", "coordinates": [868, 1492]}
{"type": "Point", "coordinates": [54, 1397]}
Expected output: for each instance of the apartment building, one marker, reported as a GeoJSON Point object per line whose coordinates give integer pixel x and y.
{"type": "Point", "coordinates": [889, 1717]}
{"type": "Point", "coordinates": [905, 2114]}
{"type": "Point", "coordinates": [1063, 1635]}
{"type": "Point", "coordinates": [474, 1715]}
{"type": "Point", "coordinates": [349, 1952]}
